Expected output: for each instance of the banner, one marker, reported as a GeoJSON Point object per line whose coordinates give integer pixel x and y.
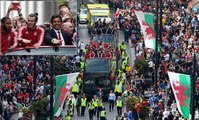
{"type": "Point", "coordinates": [181, 86]}
{"type": "Point", "coordinates": [64, 85]}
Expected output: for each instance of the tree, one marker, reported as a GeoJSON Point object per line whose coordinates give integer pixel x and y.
{"type": "Point", "coordinates": [39, 108]}
{"type": "Point", "coordinates": [142, 66]}
{"type": "Point", "coordinates": [130, 105]}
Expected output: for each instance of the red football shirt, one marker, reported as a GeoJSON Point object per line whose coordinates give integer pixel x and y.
{"type": "Point", "coordinates": [35, 36]}
{"type": "Point", "coordinates": [138, 106]}
{"type": "Point", "coordinates": [7, 40]}
{"type": "Point", "coordinates": [20, 97]}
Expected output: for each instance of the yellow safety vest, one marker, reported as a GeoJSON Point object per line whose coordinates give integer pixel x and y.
{"type": "Point", "coordinates": [123, 55]}
{"type": "Point", "coordinates": [119, 46]}
{"type": "Point", "coordinates": [124, 64]}
{"type": "Point", "coordinates": [123, 47]}
{"type": "Point", "coordinates": [83, 102]}
{"type": "Point", "coordinates": [68, 117]}
{"type": "Point", "coordinates": [119, 103]}
{"type": "Point", "coordinates": [95, 102]}
{"type": "Point", "coordinates": [69, 101]}
{"type": "Point", "coordinates": [119, 88]}
{"type": "Point", "coordinates": [123, 75]}
{"type": "Point", "coordinates": [84, 50]}
{"type": "Point", "coordinates": [103, 113]}
{"type": "Point", "coordinates": [79, 81]}
{"type": "Point", "coordinates": [82, 65]}
{"type": "Point", "coordinates": [90, 106]}
{"type": "Point", "coordinates": [119, 71]}
{"type": "Point", "coordinates": [100, 103]}
{"type": "Point", "coordinates": [71, 112]}
{"type": "Point", "coordinates": [128, 68]}
{"type": "Point", "coordinates": [122, 81]}
{"type": "Point", "coordinates": [75, 88]}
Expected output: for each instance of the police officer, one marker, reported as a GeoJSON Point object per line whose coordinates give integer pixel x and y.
{"type": "Point", "coordinates": [95, 103]}
{"type": "Point", "coordinates": [90, 110]}
{"type": "Point", "coordinates": [83, 104]}
{"type": "Point", "coordinates": [68, 117]}
{"type": "Point", "coordinates": [103, 114]}
{"type": "Point", "coordinates": [118, 89]}
{"type": "Point", "coordinates": [70, 110]}
{"type": "Point", "coordinates": [99, 108]}
{"type": "Point", "coordinates": [75, 89]}
{"type": "Point", "coordinates": [78, 104]}
{"type": "Point", "coordinates": [71, 102]}
{"type": "Point", "coordinates": [82, 64]}
{"type": "Point", "coordinates": [122, 47]}
{"type": "Point", "coordinates": [119, 105]}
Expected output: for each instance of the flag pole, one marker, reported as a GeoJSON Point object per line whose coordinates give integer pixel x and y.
{"type": "Point", "coordinates": [51, 87]}
{"type": "Point", "coordinates": [156, 46]}
{"type": "Point", "coordinates": [160, 41]}
{"type": "Point", "coordinates": [35, 74]}
{"type": "Point", "coordinates": [193, 87]}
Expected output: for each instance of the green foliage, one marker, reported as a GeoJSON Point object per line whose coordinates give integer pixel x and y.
{"type": "Point", "coordinates": [39, 107]}
{"type": "Point", "coordinates": [130, 104]}
{"type": "Point", "coordinates": [142, 66]}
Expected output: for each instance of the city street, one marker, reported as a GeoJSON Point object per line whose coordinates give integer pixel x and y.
{"type": "Point", "coordinates": [161, 37]}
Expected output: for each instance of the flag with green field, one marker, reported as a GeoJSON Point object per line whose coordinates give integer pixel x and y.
{"type": "Point", "coordinates": [64, 85]}
{"type": "Point", "coordinates": [181, 86]}
{"type": "Point", "coordinates": [146, 21]}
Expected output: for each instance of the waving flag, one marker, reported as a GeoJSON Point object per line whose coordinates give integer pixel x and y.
{"type": "Point", "coordinates": [181, 85]}
{"type": "Point", "coordinates": [64, 85]}
{"type": "Point", "coordinates": [146, 21]}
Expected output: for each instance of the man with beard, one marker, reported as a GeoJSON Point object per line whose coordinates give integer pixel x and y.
{"type": "Point", "coordinates": [8, 36]}
{"type": "Point", "coordinates": [57, 36]}
{"type": "Point", "coordinates": [31, 35]}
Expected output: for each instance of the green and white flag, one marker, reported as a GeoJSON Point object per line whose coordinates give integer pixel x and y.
{"type": "Point", "coordinates": [146, 21]}
{"type": "Point", "coordinates": [181, 86]}
{"type": "Point", "coordinates": [64, 85]}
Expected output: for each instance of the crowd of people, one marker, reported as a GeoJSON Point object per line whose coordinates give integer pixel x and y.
{"type": "Point", "coordinates": [19, 32]}
{"type": "Point", "coordinates": [104, 27]}
{"type": "Point", "coordinates": [178, 45]}
{"type": "Point", "coordinates": [16, 80]}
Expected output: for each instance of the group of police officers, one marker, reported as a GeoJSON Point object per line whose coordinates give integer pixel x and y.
{"type": "Point", "coordinates": [95, 105]}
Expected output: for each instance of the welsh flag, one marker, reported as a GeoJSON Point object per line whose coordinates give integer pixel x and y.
{"type": "Point", "coordinates": [181, 86]}
{"type": "Point", "coordinates": [64, 85]}
{"type": "Point", "coordinates": [146, 21]}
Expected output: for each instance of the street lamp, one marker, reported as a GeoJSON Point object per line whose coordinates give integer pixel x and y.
{"type": "Point", "coordinates": [51, 81]}
{"type": "Point", "coordinates": [193, 87]}
{"type": "Point", "coordinates": [51, 87]}
{"type": "Point", "coordinates": [156, 46]}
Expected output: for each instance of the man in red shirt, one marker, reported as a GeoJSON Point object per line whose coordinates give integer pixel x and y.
{"type": "Point", "coordinates": [20, 97]}
{"type": "Point", "coordinates": [138, 107]}
{"type": "Point", "coordinates": [31, 35]}
{"type": "Point", "coordinates": [8, 36]}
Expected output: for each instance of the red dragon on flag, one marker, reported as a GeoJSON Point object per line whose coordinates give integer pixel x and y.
{"type": "Point", "coordinates": [149, 31]}
{"type": "Point", "coordinates": [180, 93]}
{"type": "Point", "coordinates": [63, 90]}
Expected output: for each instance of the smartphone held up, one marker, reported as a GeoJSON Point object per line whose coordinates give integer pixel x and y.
{"type": "Point", "coordinates": [15, 6]}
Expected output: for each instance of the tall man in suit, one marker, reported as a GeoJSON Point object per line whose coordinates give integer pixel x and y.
{"type": "Point", "coordinates": [56, 36]}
